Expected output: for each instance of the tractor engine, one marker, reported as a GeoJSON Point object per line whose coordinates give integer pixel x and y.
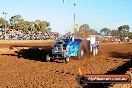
{"type": "Point", "coordinates": [59, 50]}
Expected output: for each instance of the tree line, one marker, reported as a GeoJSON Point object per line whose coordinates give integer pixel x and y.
{"type": "Point", "coordinates": [122, 31]}
{"type": "Point", "coordinates": [18, 23]}
{"type": "Point", "coordinates": [85, 30]}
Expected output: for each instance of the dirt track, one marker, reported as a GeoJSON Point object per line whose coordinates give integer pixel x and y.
{"type": "Point", "coordinates": [25, 43]}
{"type": "Point", "coordinates": [30, 69]}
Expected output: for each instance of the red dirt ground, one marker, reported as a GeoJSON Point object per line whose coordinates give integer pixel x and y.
{"type": "Point", "coordinates": [26, 43]}
{"type": "Point", "coordinates": [29, 71]}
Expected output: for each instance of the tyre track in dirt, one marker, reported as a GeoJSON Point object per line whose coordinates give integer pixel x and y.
{"type": "Point", "coordinates": [31, 73]}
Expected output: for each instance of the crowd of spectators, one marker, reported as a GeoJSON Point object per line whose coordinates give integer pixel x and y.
{"type": "Point", "coordinates": [12, 34]}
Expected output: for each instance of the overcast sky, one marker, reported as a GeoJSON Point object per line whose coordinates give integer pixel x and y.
{"type": "Point", "coordinates": [97, 13]}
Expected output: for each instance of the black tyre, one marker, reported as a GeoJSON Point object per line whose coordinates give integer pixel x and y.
{"type": "Point", "coordinates": [67, 59]}
{"type": "Point", "coordinates": [80, 52]}
{"type": "Point", "coordinates": [48, 58]}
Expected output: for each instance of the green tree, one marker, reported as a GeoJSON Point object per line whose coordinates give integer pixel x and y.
{"type": "Point", "coordinates": [85, 31]}
{"type": "Point", "coordinates": [92, 32]}
{"type": "Point", "coordinates": [22, 24]}
{"type": "Point", "coordinates": [105, 31]}
{"type": "Point", "coordinates": [2, 23]}
{"type": "Point", "coordinates": [14, 20]}
{"type": "Point", "coordinates": [123, 31]}
{"type": "Point", "coordinates": [17, 22]}
{"type": "Point", "coordinates": [47, 24]}
{"type": "Point", "coordinates": [130, 35]}
{"type": "Point", "coordinates": [84, 28]}
{"type": "Point", "coordinates": [114, 33]}
{"type": "Point", "coordinates": [31, 26]}
{"type": "Point", "coordinates": [48, 27]}
{"type": "Point", "coordinates": [42, 25]}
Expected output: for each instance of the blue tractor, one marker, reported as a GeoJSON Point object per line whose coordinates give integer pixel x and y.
{"type": "Point", "coordinates": [66, 48]}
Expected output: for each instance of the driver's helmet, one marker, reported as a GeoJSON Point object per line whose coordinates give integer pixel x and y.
{"type": "Point", "coordinates": [68, 38]}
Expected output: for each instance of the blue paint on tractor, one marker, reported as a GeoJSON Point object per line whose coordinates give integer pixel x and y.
{"type": "Point", "coordinates": [73, 46]}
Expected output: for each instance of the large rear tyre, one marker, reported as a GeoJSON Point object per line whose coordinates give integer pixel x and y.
{"type": "Point", "coordinates": [80, 52]}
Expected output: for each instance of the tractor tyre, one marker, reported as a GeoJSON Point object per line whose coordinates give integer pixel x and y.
{"type": "Point", "coordinates": [80, 52]}
{"type": "Point", "coordinates": [48, 58]}
{"type": "Point", "coordinates": [67, 59]}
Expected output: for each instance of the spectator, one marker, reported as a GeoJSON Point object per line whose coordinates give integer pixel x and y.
{"type": "Point", "coordinates": [12, 34]}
